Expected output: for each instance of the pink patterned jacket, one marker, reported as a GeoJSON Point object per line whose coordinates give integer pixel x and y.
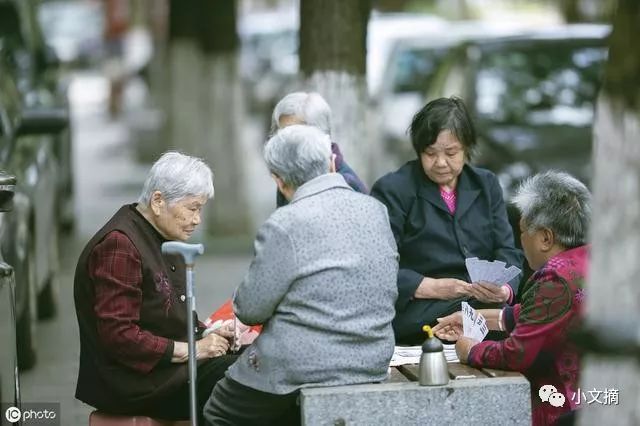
{"type": "Point", "coordinates": [538, 347]}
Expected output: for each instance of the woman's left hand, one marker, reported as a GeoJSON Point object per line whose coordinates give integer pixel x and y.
{"type": "Point", "coordinates": [489, 293]}
{"type": "Point", "coordinates": [463, 347]}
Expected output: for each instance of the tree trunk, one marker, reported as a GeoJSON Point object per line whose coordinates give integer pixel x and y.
{"type": "Point", "coordinates": [154, 137]}
{"type": "Point", "coordinates": [221, 112]}
{"type": "Point", "coordinates": [184, 63]}
{"type": "Point", "coordinates": [612, 289]}
{"type": "Point", "coordinates": [333, 36]}
{"type": "Point", "coordinates": [391, 5]}
{"type": "Point", "coordinates": [570, 10]}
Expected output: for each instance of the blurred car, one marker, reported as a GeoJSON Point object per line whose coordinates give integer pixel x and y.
{"type": "Point", "coordinates": [30, 232]}
{"type": "Point", "coordinates": [9, 377]}
{"type": "Point", "coordinates": [532, 96]}
{"type": "Point", "coordinates": [409, 72]}
{"type": "Point", "coordinates": [385, 29]}
{"type": "Point", "coordinates": [74, 29]}
{"type": "Point", "coordinates": [36, 70]}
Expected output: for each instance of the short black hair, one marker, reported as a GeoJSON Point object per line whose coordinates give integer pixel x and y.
{"type": "Point", "coordinates": [438, 115]}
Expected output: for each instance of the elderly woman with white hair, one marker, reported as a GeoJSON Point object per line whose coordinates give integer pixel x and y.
{"type": "Point", "coordinates": [311, 109]}
{"type": "Point", "coordinates": [556, 211]}
{"type": "Point", "coordinates": [130, 301]}
{"type": "Point", "coordinates": [323, 283]}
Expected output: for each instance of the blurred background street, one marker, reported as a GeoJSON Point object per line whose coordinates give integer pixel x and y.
{"type": "Point", "coordinates": [92, 92]}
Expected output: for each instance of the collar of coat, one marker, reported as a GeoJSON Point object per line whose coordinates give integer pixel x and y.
{"type": "Point", "coordinates": [320, 184]}
{"type": "Point", "coordinates": [466, 191]}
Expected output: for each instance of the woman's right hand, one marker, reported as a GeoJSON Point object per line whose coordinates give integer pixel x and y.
{"type": "Point", "coordinates": [449, 327]}
{"type": "Point", "coordinates": [442, 288]}
{"type": "Point", "coordinates": [211, 346]}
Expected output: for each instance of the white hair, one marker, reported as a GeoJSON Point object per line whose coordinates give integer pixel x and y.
{"type": "Point", "coordinates": [177, 176]}
{"type": "Point", "coordinates": [297, 154]}
{"type": "Point", "coordinates": [559, 202]}
{"type": "Point", "coordinates": [310, 108]}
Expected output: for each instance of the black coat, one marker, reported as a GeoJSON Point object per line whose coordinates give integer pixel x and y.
{"type": "Point", "coordinates": [434, 243]}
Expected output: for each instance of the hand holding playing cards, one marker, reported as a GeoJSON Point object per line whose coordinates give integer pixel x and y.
{"type": "Point", "coordinates": [463, 347]}
{"type": "Point", "coordinates": [442, 288]}
{"type": "Point", "coordinates": [489, 293]}
{"type": "Point", "coordinates": [449, 327]}
{"type": "Point", "coordinates": [211, 346]}
{"type": "Point", "coordinates": [225, 330]}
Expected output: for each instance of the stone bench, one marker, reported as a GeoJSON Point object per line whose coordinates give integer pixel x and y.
{"type": "Point", "coordinates": [478, 397]}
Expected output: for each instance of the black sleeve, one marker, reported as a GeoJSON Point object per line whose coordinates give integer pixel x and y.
{"type": "Point", "coordinates": [168, 353]}
{"type": "Point", "coordinates": [504, 248]}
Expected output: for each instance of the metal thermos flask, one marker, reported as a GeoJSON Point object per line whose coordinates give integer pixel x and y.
{"type": "Point", "coordinates": [433, 364]}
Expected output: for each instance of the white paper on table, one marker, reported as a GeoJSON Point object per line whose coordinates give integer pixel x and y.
{"type": "Point", "coordinates": [450, 353]}
{"type": "Point", "coordinates": [405, 355]}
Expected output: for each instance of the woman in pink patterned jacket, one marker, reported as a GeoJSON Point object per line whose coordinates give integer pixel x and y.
{"type": "Point", "coordinates": [555, 210]}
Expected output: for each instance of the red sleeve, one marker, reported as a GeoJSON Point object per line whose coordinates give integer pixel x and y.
{"type": "Point", "coordinates": [543, 314]}
{"type": "Point", "coordinates": [115, 267]}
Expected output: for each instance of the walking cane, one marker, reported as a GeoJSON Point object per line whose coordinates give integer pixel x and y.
{"type": "Point", "coordinates": [189, 253]}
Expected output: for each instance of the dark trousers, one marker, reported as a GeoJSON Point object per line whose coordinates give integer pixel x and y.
{"type": "Point", "coordinates": [232, 403]}
{"type": "Point", "coordinates": [175, 406]}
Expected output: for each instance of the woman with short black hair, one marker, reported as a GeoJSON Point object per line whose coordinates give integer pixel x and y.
{"type": "Point", "coordinates": [443, 210]}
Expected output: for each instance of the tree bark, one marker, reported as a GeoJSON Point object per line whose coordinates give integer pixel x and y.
{"type": "Point", "coordinates": [221, 112]}
{"type": "Point", "coordinates": [612, 291]}
{"type": "Point", "coordinates": [570, 10]}
{"type": "Point", "coordinates": [184, 64]}
{"type": "Point", "coordinates": [333, 35]}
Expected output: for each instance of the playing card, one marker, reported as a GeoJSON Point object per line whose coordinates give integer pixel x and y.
{"type": "Point", "coordinates": [499, 268]}
{"type": "Point", "coordinates": [480, 328]}
{"type": "Point", "coordinates": [494, 272]}
{"type": "Point", "coordinates": [511, 272]}
{"type": "Point", "coordinates": [500, 264]}
{"type": "Point", "coordinates": [468, 318]}
{"type": "Point", "coordinates": [472, 268]}
{"type": "Point", "coordinates": [487, 270]}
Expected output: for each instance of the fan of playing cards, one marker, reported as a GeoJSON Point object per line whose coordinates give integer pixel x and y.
{"type": "Point", "coordinates": [474, 325]}
{"type": "Point", "coordinates": [495, 272]}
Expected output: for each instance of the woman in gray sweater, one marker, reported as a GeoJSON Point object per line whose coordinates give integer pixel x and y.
{"type": "Point", "coordinates": [323, 283]}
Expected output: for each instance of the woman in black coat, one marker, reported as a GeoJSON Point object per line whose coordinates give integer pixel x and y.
{"type": "Point", "coordinates": [442, 211]}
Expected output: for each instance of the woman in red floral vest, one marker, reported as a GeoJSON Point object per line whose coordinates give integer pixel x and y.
{"type": "Point", "coordinates": [556, 212]}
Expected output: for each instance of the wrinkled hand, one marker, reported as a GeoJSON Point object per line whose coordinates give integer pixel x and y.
{"type": "Point", "coordinates": [449, 327]}
{"type": "Point", "coordinates": [225, 330]}
{"type": "Point", "coordinates": [443, 288]}
{"type": "Point", "coordinates": [463, 347]}
{"type": "Point", "coordinates": [211, 346]}
{"type": "Point", "coordinates": [489, 293]}
{"type": "Point", "coordinates": [237, 334]}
